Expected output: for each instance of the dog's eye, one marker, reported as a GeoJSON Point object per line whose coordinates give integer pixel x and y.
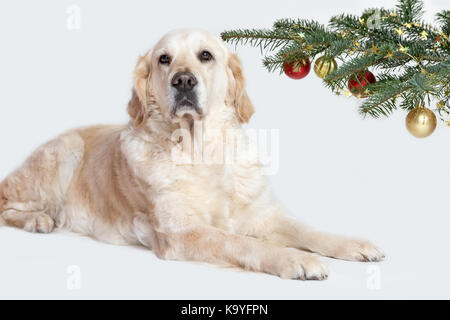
{"type": "Point", "coordinates": [164, 59]}
{"type": "Point", "coordinates": [205, 56]}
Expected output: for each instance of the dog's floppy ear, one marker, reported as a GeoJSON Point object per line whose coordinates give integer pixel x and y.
{"type": "Point", "coordinates": [137, 107]}
{"type": "Point", "coordinates": [237, 95]}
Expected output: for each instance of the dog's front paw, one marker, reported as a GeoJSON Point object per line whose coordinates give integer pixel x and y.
{"type": "Point", "coordinates": [358, 250]}
{"type": "Point", "coordinates": [301, 266]}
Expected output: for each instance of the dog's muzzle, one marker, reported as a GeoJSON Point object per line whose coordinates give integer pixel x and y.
{"type": "Point", "coordinates": [186, 100]}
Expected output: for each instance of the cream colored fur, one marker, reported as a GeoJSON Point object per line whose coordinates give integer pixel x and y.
{"type": "Point", "coordinates": [120, 184]}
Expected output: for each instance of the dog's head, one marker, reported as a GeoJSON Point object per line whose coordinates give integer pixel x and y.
{"type": "Point", "coordinates": [186, 74]}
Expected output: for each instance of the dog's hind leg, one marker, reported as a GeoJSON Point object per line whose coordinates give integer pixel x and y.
{"type": "Point", "coordinates": [30, 216]}
{"type": "Point", "coordinates": [31, 196]}
{"type": "Point", "coordinates": [31, 221]}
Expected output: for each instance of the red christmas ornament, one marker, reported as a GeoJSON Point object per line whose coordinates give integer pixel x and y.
{"type": "Point", "coordinates": [357, 84]}
{"type": "Point", "coordinates": [297, 70]}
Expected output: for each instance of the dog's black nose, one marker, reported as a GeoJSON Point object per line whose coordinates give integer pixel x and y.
{"type": "Point", "coordinates": [184, 81]}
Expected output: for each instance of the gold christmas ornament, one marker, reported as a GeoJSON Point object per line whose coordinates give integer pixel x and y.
{"type": "Point", "coordinates": [324, 66]}
{"type": "Point", "coordinates": [421, 122]}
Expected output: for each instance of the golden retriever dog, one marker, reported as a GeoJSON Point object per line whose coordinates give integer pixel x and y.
{"type": "Point", "coordinates": [127, 184]}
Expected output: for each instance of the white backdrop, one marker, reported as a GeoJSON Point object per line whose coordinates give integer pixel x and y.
{"type": "Point", "coordinates": [338, 172]}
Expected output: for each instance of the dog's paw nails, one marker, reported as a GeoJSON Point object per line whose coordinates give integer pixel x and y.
{"type": "Point", "coordinates": [300, 266]}
{"type": "Point", "coordinates": [357, 250]}
{"type": "Point", "coordinates": [314, 269]}
{"type": "Point", "coordinates": [371, 253]}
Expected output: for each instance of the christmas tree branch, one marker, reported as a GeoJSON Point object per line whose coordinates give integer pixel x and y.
{"type": "Point", "coordinates": [410, 10]}
{"type": "Point", "coordinates": [412, 55]}
{"type": "Point", "coordinates": [443, 18]}
{"type": "Point", "coordinates": [352, 67]}
{"type": "Point", "coordinates": [383, 100]}
{"type": "Point", "coordinates": [265, 39]}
